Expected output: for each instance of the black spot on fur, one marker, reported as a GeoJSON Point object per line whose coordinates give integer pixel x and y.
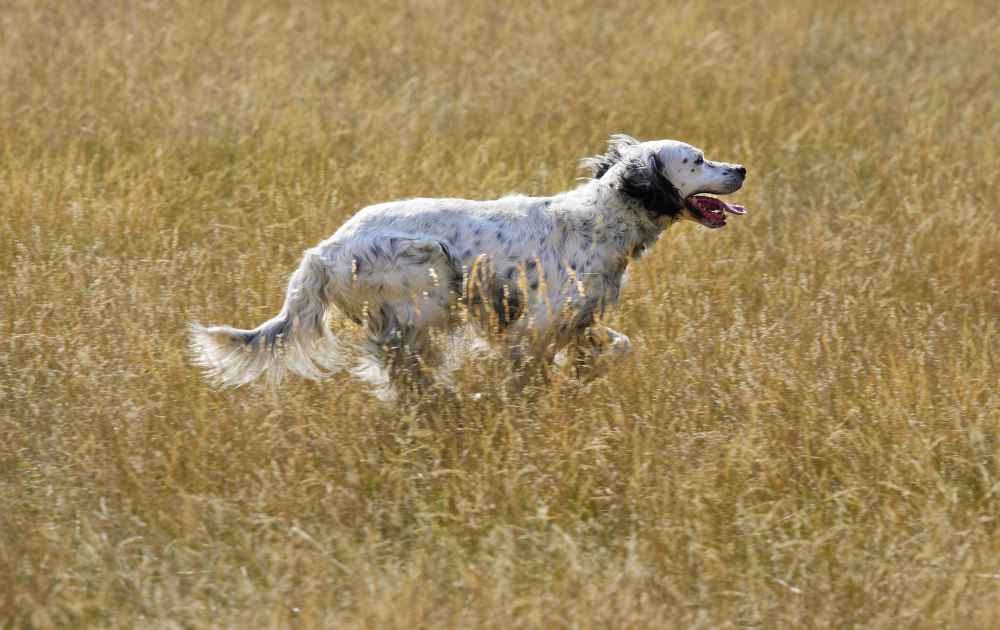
{"type": "Point", "coordinates": [269, 336]}
{"type": "Point", "coordinates": [455, 273]}
{"type": "Point", "coordinates": [583, 318]}
{"type": "Point", "coordinates": [492, 299]}
{"type": "Point", "coordinates": [250, 338]}
{"type": "Point", "coordinates": [507, 304]}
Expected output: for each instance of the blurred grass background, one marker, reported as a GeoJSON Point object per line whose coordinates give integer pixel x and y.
{"type": "Point", "coordinates": [808, 431]}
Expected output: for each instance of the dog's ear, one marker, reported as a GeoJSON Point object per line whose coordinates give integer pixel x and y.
{"type": "Point", "coordinates": [617, 143]}
{"type": "Point", "coordinates": [644, 180]}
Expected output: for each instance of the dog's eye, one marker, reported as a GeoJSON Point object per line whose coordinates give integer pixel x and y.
{"type": "Point", "coordinates": [700, 160]}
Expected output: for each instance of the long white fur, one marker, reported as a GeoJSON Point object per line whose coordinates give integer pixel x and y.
{"type": "Point", "coordinates": [401, 269]}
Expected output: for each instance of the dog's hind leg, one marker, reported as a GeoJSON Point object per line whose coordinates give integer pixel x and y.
{"type": "Point", "coordinates": [403, 350]}
{"type": "Point", "coordinates": [416, 284]}
{"type": "Point", "coordinates": [590, 354]}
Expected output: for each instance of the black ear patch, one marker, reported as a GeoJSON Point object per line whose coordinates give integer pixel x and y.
{"type": "Point", "coordinates": [644, 180]}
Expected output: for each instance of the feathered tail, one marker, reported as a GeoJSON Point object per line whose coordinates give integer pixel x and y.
{"type": "Point", "coordinates": [298, 339]}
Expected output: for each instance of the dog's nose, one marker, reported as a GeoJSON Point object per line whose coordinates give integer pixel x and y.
{"type": "Point", "coordinates": [742, 170]}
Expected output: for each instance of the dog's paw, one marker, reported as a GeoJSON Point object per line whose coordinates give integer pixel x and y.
{"type": "Point", "coordinates": [618, 344]}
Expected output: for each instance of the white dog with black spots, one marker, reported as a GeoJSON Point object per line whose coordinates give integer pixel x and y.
{"type": "Point", "coordinates": [532, 274]}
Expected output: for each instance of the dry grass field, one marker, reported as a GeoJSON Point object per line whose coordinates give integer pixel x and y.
{"type": "Point", "coordinates": [808, 431]}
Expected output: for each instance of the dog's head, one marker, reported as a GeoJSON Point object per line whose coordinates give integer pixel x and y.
{"type": "Point", "coordinates": [669, 178]}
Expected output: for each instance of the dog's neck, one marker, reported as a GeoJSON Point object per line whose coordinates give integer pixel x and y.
{"type": "Point", "coordinates": [609, 228]}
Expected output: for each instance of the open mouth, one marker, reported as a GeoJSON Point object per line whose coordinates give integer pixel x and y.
{"type": "Point", "coordinates": [710, 211]}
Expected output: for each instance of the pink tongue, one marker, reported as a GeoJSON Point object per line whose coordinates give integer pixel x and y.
{"type": "Point", "coordinates": [712, 203]}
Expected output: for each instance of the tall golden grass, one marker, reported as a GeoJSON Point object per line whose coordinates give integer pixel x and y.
{"type": "Point", "coordinates": [808, 431]}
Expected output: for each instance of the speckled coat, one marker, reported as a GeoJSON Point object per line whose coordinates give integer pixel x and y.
{"type": "Point", "coordinates": [534, 274]}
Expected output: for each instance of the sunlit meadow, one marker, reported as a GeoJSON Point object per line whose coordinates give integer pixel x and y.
{"type": "Point", "coordinates": [806, 435]}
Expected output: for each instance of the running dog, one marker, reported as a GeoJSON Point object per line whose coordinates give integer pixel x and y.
{"type": "Point", "coordinates": [532, 274]}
